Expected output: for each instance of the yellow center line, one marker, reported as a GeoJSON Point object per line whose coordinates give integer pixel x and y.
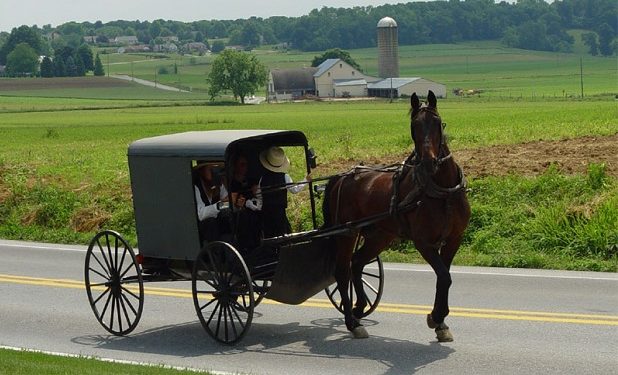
{"type": "Point", "coordinates": [519, 315]}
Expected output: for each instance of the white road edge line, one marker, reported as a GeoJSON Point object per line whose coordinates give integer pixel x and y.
{"type": "Point", "coordinates": [386, 267]}
{"type": "Point", "coordinates": [112, 360]}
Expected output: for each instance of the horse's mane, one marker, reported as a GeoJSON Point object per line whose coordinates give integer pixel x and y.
{"type": "Point", "coordinates": [326, 203]}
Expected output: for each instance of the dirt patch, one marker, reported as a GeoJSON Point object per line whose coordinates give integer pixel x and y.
{"type": "Point", "coordinates": [17, 84]}
{"type": "Point", "coordinates": [571, 156]}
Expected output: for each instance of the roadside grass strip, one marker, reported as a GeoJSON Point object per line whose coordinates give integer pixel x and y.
{"type": "Point", "coordinates": [464, 312]}
{"type": "Point", "coordinates": [29, 361]}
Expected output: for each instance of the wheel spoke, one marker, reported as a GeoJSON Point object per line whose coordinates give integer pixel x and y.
{"type": "Point", "coordinates": [124, 310]}
{"type": "Point", "coordinates": [113, 309]}
{"type": "Point", "coordinates": [124, 253]}
{"type": "Point", "coordinates": [129, 303]}
{"type": "Point", "coordinates": [109, 267]}
{"type": "Point", "coordinates": [107, 277]}
{"type": "Point", "coordinates": [116, 265]}
{"type": "Point", "coordinates": [208, 304]}
{"type": "Point", "coordinates": [232, 323]}
{"type": "Point", "coordinates": [119, 317]}
{"type": "Point", "coordinates": [125, 271]}
{"type": "Point", "coordinates": [130, 292]}
{"type": "Point", "coordinates": [371, 275]}
{"type": "Point", "coordinates": [101, 296]}
{"type": "Point", "coordinates": [109, 297]}
{"type": "Point", "coordinates": [109, 252]}
{"type": "Point", "coordinates": [100, 264]}
{"type": "Point", "coordinates": [214, 311]}
{"type": "Point", "coordinates": [369, 286]}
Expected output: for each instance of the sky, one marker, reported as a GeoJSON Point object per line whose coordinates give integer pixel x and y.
{"type": "Point", "coordinates": [14, 13]}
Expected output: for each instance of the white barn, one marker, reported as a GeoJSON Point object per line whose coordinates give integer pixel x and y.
{"type": "Point", "coordinates": [406, 87]}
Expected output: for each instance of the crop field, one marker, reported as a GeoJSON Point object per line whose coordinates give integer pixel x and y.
{"type": "Point", "coordinates": [487, 66]}
{"type": "Point", "coordinates": [541, 165]}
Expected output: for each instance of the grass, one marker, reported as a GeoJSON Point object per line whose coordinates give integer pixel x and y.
{"type": "Point", "coordinates": [26, 363]}
{"type": "Point", "coordinates": [487, 65]}
{"type": "Point", "coordinates": [64, 175]}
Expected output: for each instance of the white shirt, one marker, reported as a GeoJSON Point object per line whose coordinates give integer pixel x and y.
{"type": "Point", "coordinates": [208, 211]}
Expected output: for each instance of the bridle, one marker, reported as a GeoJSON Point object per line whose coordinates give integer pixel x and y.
{"type": "Point", "coordinates": [414, 159]}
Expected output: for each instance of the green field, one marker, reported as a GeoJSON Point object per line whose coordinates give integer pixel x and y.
{"type": "Point", "coordinates": [64, 175]}
{"type": "Point", "coordinates": [486, 66]}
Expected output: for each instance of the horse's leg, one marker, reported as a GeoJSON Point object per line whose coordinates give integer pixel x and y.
{"type": "Point", "coordinates": [373, 245]}
{"type": "Point", "coordinates": [447, 253]}
{"type": "Point", "coordinates": [342, 276]}
{"type": "Point", "coordinates": [443, 282]}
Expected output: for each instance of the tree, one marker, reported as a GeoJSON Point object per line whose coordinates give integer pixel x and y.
{"type": "Point", "coordinates": [71, 67]}
{"type": "Point", "coordinates": [85, 53]}
{"type": "Point", "coordinates": [22, 34]}
{"type": "Point", "coordinates": [590, 39]}
{"type": "Point", "coordinates": [22, 60]}
{"type": "Point", "coordinates": [218, 46]}
{"type": "Point", "coordinates": [47, 68]}
{"type": "Point", "coordinates": [606, 35]}
{"type": "Point", "coordinates": [240, 72]}
{"type": "Point", "coordinates": [336, 53]}
{"type": "Point", "coordinates": [98, 67]}
{"type": "Point", "coordinates": [60, 68]}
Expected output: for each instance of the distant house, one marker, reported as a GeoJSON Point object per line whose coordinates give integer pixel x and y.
{"type": "Point", "coordinates": [90, 39]}
{"type": "Point", "coordinates": [53, 36]}
{"type": "Point", "coordinates": [126, 40]}
{"type": "Point", "coordinates": [289, 84]}
{"type": "Point", "coordinates": [172, 38]}
{"type": "Point", "coordinates": [134, 49]}
{"type": "Point", "coordinates": [167, 47]}
{"type": "Point", "coordinates": [2, 69]}
{"type": "Point", "coordinates": [198, 47]}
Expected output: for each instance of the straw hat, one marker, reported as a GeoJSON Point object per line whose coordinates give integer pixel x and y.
{"type": "Point", "coordinates": [274, 160]}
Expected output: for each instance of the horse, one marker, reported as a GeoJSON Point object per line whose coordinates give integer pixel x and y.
{"type": "Point", "coordinates": [424, 200]}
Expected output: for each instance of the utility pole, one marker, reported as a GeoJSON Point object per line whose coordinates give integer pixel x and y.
{"type": "Point", "coordinates": [132, 71]}
{"type": "Point", "coordinates": [581, 74]}
{"type": "Point", "coordinates": [155, 76]}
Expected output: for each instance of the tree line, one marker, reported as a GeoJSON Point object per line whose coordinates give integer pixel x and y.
{"type": "Point", "coordinates": [527, 24]}
{"type": "Point", "coordinates": [25, 52]}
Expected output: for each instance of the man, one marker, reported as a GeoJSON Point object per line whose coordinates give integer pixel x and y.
{"type": "Point", "coordinates": [208, 195]}
{"type": "Point", "coordinates": [274, 185]}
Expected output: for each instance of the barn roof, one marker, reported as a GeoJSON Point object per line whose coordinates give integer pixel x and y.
{"type": "Point", "coordinates": [294, 79]}
{"type": "Point", "coordinates": [396, 83]}
{"type": "Point", "coordinates": [324, 66]}
{"type": "Point", "coordinates": [349, 82]}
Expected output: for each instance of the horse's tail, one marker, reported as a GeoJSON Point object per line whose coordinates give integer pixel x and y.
{"type": "Point", "coordinates": [326, 211]}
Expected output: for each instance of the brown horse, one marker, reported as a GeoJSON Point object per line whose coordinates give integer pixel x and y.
{"type": "Point", "coordinates": [424, 201]}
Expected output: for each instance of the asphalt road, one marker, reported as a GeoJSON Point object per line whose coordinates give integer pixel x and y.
{"type": "Point", "coordinates": [505, 321]}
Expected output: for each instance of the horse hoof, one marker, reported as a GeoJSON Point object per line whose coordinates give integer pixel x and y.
{"type": "Point", "coordinates": [430, 323]}
{"type": "Point", "coordinates": [444, 334]}
{"type": "Point", "coordinates": [360, 333]}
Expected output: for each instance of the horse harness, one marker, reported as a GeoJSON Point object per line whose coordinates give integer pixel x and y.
{"type": "Point", "coordinates": [423, 187]}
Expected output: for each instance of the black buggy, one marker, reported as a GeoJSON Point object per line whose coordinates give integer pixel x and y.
{"type": "Point", "coordinates": [227, 280]}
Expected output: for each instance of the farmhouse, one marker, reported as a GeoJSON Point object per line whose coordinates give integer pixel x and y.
{"type": "Point", "coordinates": [126, 40]}
{"type": "Point", "coordinates": [335, 78]}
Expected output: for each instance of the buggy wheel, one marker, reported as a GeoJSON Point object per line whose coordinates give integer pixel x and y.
{"type": "Point", "coordinates": [373, 281]}
{"type": "Point", "coordinates": [260, 288]}
{"type": "Point", "coordinates": [223, 292]}
{"type": "Point", "coordinates": [110, 269]}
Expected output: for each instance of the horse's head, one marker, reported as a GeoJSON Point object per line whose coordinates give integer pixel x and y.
{"type": "Point", "coordinates": [427, 132]}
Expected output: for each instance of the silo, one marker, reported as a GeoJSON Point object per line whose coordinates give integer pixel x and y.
{"type": "Point", "coordinates": [388, 48]}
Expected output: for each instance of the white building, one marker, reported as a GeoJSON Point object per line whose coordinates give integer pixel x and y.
{"type": "Point", "coordinates": [335, 78]}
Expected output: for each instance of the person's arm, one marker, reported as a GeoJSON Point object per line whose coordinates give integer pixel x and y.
{"type": "Point", "coordinates": [296, 188]}
{"type": "Point", "coordinates": [203, 211]}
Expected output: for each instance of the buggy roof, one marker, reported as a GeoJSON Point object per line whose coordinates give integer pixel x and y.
{"type": "Point", "coordinates": [211, 144]}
